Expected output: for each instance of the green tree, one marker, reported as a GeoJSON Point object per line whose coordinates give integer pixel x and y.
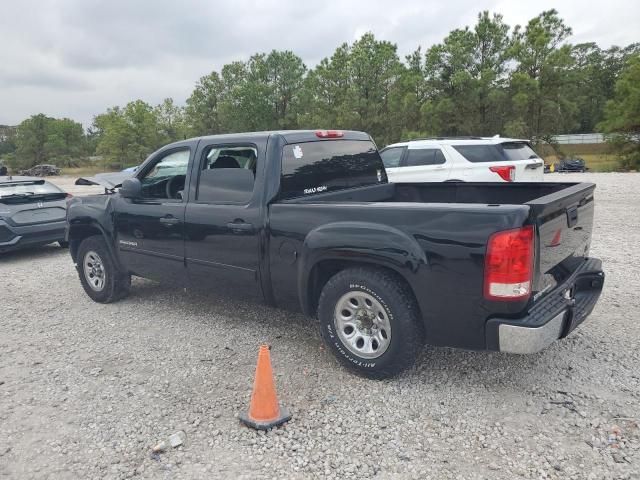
{"type": "Point", "coordinates": [202, 113]}
{"type": "Point", "coordinates": [32, 136]}
{"type": "Point", "coordinates": [622, 115]}
{"type": "Point", "coordinates": [128, 135]}
{"type": "Point", "coordinates": [66, 142]}
{"type": "Point", "coordinates": [466, 79]}
{"type": "Point", "coordinates": [356, 88]}
{"type": "Point", "coordinates": [171, 121]}
{"type": "Point", "coordinates": [542, 93]}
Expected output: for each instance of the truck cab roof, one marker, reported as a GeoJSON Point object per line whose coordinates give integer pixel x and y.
{"type": "Point", "coordinates": [290, 136]}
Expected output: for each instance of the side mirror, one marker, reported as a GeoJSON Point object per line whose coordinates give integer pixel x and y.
{"type": "Point", "coordinates": [131, 188]}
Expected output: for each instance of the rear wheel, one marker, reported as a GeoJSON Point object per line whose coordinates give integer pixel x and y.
{"type": "Point", "coordinates": [369, 319]}
{"type": "Point", "coordinates": [101, 279]}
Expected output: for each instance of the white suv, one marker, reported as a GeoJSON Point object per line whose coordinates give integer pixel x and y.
{"type": "Point", "coordinates": [462, 159]}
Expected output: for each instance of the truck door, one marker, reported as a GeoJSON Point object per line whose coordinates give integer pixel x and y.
{"type": "Point", "coordinates": [150, 229]}
{"type": "Point", "coordinates": [223, 219]}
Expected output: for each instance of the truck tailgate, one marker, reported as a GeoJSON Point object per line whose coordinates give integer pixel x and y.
{"type": "Point", "coordinates": [564, 222]}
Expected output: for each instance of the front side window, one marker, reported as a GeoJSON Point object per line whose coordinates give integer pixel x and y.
{"type": "Point", "coordinates": [424, 156]}
{"type": "Point", "coordinates": [165, 180]}
{"type": "Point", "coordinates": [391, 156]}
{"type": "Point", "coordinates": [227, 174]}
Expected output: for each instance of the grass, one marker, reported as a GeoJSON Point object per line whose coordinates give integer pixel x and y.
{"type": "Point", "coordinates": [597, 157]}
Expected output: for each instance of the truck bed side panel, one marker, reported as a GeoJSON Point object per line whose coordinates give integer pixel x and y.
{"type": "Point", "coordinates": [447, 280]}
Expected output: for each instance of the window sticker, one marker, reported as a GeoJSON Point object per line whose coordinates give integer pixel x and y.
{"type": "Point", "coordinates": [319, 189]}
{"type": "Point", "coordinates": [297, 152]}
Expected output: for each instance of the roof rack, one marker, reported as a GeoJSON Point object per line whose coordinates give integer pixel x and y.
{"type": "Point", "coordinates": [446, 138]}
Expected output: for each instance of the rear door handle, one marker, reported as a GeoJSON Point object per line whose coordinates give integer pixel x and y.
{"type": "Point", "coordinates": [240, 227]}
{"type": "Point", "coordinates": [169, 220]}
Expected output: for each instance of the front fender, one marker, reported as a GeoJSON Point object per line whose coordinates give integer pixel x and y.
{"type": "Point", "coordinates": [91, 216]}
{"type": "Point", "coordinates": [359, 242]}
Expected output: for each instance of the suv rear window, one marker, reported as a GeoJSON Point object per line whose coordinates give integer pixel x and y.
{"type": "Point", "coordinates": [502, 152]}
{"type": "Point", "coordinates": [326, 166]}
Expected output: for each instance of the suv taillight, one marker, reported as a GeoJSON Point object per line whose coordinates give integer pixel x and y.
{"type": "Point", "coordinates": [508, 266]}
{"type": "Point", "coordinates": [507, 173]}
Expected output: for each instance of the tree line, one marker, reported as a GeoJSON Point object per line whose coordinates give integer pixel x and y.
{"type": "Point", "coordinates": [526, 82]}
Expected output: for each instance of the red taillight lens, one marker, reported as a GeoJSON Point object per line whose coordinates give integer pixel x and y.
{"type": "Point", "coordinates": [507, 173]}
{"type": "Point", "coordinates": [508, 265]}
{"type": "Point", "coordinates": [329, 134]}
{"type": "Point", "coordinates": [68, 195]}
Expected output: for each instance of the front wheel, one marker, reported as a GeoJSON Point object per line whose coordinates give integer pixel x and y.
{"type": "Point", "coordinates": [369, 320]}
{"type": "Point", "coordinates": [101, 279]}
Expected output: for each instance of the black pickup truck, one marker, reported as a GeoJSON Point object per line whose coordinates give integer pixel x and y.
{"type": "Point", "coordinates": [308, 220]}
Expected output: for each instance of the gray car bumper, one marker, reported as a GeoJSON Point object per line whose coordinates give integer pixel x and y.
{"type": "Point", "coordinates": [14, 237]}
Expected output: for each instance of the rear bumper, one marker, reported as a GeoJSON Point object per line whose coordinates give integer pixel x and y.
{"type": "Point", "coordinates": [553, 317]}
{"type": "Point", "coordinates": [14, 237]}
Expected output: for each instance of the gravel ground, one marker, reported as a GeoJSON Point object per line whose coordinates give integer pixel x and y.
{"type": "Point", "coordinates": [86, 390]}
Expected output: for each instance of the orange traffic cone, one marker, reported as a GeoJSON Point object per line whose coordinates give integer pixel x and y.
{"type": "Point", "coordinates": [264, 411]}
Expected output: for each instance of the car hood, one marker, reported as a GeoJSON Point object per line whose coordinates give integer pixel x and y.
{"type": "Point", "coordinates": [106, 180]}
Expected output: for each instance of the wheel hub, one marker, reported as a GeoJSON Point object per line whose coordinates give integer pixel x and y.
{"type": "Point", "coordinates": [93, 271]}
{"type": "Point", "coordinates": [362, 324]}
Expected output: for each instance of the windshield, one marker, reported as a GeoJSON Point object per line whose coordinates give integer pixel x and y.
{"type": "Point", "coordinates": [36, 187]}
{"type": "Point", "coordinates": [326, 166]}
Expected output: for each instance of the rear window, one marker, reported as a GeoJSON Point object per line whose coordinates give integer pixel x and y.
{"type": "Point", "coordinates": [36, 187]}
{"type": "Point", "coordinates": [326, 166]}
{"type": "Point", "coordinates": [502, 152]}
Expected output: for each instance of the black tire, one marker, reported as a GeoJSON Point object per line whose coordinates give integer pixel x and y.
{"type": "Point", "coordinates": [407, 334]}
{"type": "Point", "coordinates": [63, 244]}
{"type": "Point", "coordinates": [115, 284]}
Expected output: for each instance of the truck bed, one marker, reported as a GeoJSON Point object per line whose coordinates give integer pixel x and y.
{"type": "Point", "coordinates": [451, 192]}
{"type": "Point", "coordinates": [441, 231]}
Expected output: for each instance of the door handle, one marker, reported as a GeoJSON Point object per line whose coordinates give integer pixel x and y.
{"type": "Point", "coordinates": [238, 227]}
{"type": "Point", "coordinates": [169, 220]}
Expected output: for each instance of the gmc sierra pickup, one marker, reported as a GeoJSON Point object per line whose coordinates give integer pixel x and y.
{"type": "Point", "coordinates": [308, 220]}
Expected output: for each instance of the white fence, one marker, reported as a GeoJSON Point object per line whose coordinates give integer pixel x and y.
{"type": "Point", "coordinates": [580, 138]}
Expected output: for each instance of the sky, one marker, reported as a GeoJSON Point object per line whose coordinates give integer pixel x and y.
{"type": "Point", "coordinates": [76, 58]}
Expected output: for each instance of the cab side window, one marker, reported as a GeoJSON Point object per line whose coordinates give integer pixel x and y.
{"type": "Point", "coordinates": [227, 174]}
{"type": "Point", "coordinates": [165, 179]}
{"type": "Point", "coordinates": [424, 156]}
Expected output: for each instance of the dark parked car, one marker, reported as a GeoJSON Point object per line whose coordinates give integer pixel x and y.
{"type": "Point", "coordinates": [32, 212]}
{"type": "Point", "coordinates": [41, 171]}
{"type": "Point", "coordinates": [308, 220]}
{"type": "Point", "coordinates": [575, 164]}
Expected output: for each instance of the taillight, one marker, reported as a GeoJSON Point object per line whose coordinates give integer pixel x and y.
{"type": "Point", "coordinates": [508, 266]}
{"type": "Point", "coordinates": [507, 172]}
{"type": "Point", "coordinates": [329, 134]}
{"type": "Point", "coordinates": [68, 195]}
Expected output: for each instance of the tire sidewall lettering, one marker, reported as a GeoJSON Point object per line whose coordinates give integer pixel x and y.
{"type": "Point", "coordinates": [364, 363]}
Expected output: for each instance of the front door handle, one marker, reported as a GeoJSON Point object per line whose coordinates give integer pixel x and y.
{"type": "Point", "coordinates": [169, 220]}
{"type": "Point", "coordinates": [238, 227]}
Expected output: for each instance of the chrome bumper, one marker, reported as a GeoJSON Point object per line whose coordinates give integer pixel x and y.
{"type": "Point", "coordinates": [518, 339]}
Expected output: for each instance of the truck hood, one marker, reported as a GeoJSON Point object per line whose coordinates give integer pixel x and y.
{"type": "Point", "coordinates": [106, 180]}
